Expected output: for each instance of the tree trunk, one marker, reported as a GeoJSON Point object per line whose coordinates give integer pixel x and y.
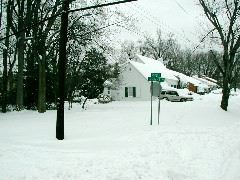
{"type": "Point", "coordinates": [32, 56]}
{"type": "Point", "coordinates": [5, 56]}
{"type": "Point", "coordinates": [42, 84]}
{"type": "Point", "coordinates": [21, 47]}
{"type": "Point", "coordinates": [4, 94]}
{"type": "Point", "coordinates": [1, 9]}
{"type": "Point", "coordinates": [19, 103]}
{"type": "Point", "coordinates": [226, 93]}
{"type": "Point", "coordinates": [83, 106]}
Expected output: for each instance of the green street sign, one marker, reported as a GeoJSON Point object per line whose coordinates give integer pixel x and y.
{"type": "Point", "coordinates": [153, 79]}
{"type": "Point", "coordinates": [161, 79]}
{"type": "Point", "coordinates": [155, 75]}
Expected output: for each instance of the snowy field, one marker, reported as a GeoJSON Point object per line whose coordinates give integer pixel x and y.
{"type": "Point", "coordinates": [194, 141]}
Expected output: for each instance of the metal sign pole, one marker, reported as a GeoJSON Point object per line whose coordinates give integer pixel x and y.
{"type": "Point", "coordinates": [155, 77]}
{"type": "Point", "coordinates": [151, 101]}
{"type": "Point", "coordinates": [159, 101]}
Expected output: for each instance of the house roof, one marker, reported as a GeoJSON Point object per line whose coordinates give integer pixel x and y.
{"type": "Point", "coordinates": [146, 66]}
{"type": "Point", "coordinates": [188, 79]}
{"type": "Point", "coordinates": [210, 79]}
{"type": "Point", "coordinates": [205, 81]}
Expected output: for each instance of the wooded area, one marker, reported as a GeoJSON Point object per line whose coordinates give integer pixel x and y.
{"type": "Point", "coordinates": [29, 41]}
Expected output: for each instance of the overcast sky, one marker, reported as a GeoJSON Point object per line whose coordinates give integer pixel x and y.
{"type": "Point", "coordinates": [181, 17]}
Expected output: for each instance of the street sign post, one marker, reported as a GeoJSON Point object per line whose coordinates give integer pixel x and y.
{"type": "Point", "coordinates": [156, 90]}
{"type": "Point", "coordinates": [161, 79]}
{"type": "Point", "coordinates": [160, 90]}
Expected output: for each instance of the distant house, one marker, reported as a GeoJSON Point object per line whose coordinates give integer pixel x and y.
{"type": "Point", "coordinates": [210, 79]}
{"type": "Point", "coordinates": [208, 82]}
{"type": "Point", "coordinates": [133, 83]}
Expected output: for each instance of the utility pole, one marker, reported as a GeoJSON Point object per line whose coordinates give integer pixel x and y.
{"type": "Point", "coordinates": [62, 62]}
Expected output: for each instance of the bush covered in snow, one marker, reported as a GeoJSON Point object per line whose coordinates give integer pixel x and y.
{"type": "Point", "coordinates": [104, 98]}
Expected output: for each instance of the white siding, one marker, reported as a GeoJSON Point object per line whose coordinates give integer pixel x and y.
{"type": "Point", "coordinates": [132, 78]}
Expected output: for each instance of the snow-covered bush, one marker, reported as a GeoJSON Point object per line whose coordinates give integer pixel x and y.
{"type": "Point", "coordinates": [104, 98]}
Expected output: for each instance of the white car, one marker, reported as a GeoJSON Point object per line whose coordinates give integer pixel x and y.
{"type": "Point", "coordinates": [172, 95]}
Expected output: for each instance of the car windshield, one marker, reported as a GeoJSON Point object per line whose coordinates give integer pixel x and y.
{"type": "Point", "coordinates": [173, 93]}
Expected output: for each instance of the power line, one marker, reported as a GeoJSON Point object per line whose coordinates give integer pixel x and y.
{"type": "Point", "coordinates": [147, 15]}
{"type": "Point", "coordinates": [203, 39]}
{"type": "Point", "coordinates": [179, 5]}
{"type": "Point", "coordinates": [101, 5]}
{"type": "Point", "coordinates": [101, 28]}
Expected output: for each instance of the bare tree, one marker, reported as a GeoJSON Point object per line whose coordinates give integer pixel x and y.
{"type": "Point", "coordinates": [21, 47]}
{"type": "Point", "coordinates": [43, 33]}
{"type": "Point", "coordinates": [224, 16]}
{"type": "Point", "coordinates": [5, 56]}
{"type": "Point", "coordinates": [1, 10]}
{"type": "Point", "coordinates": [161, 47]}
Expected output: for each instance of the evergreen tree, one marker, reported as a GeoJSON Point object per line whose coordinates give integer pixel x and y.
{"type": "Point", "coordinates": [93, 75]}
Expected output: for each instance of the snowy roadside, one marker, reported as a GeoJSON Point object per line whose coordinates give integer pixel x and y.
{"type": "Point", "coordinates": [195, 140]}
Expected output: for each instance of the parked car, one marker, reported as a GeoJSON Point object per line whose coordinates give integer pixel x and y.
{"type": "Point", "coordinates": [171, 95]}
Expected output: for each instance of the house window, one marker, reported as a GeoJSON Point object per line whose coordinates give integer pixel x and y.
{"type": "Point", "coordinates": [109, 90]}
{"type": "Point", "coordinates": [130, 91]}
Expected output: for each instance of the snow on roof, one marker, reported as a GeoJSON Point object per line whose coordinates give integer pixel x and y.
{"type": "Point", "coordinates": [188, 79]}
{"type": "Point", "coordinates": [210, 79]}
{"type": "Point", "coordinates": [205, 81]}
{"type": "Point", "coordinates": [146, 66]}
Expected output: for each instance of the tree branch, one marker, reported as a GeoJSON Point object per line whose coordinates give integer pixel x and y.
{"type": "Point", "coordinates": [217, 63]}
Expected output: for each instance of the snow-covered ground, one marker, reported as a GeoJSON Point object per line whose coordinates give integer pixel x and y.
{"type": "Point", "coordinates": [194, 141]}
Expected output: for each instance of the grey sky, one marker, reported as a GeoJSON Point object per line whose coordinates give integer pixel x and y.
{"type": "Point", "coordinates": [181, 17]}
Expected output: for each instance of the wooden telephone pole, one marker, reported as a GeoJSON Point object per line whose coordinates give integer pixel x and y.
{"type": "Point", "coordinates": [62, 62]}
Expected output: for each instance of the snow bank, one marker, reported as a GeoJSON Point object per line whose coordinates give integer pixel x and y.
{"type": "Point", "coordinates": [195, 140]}
{"type": "Point", "coordinates": [233, 92]}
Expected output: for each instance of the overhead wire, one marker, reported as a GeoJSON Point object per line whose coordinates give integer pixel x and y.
{"type": "Point", "coordinates": [155, 21]}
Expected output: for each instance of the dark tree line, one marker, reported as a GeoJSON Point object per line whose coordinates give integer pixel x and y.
{"type": "Point", "coordinates": [29, 51]}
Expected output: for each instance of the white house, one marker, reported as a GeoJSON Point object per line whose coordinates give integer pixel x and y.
{"type": "Point", "coordinates": [209, 82]}
{"type": "Point", "coordinates": [133, 81]}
